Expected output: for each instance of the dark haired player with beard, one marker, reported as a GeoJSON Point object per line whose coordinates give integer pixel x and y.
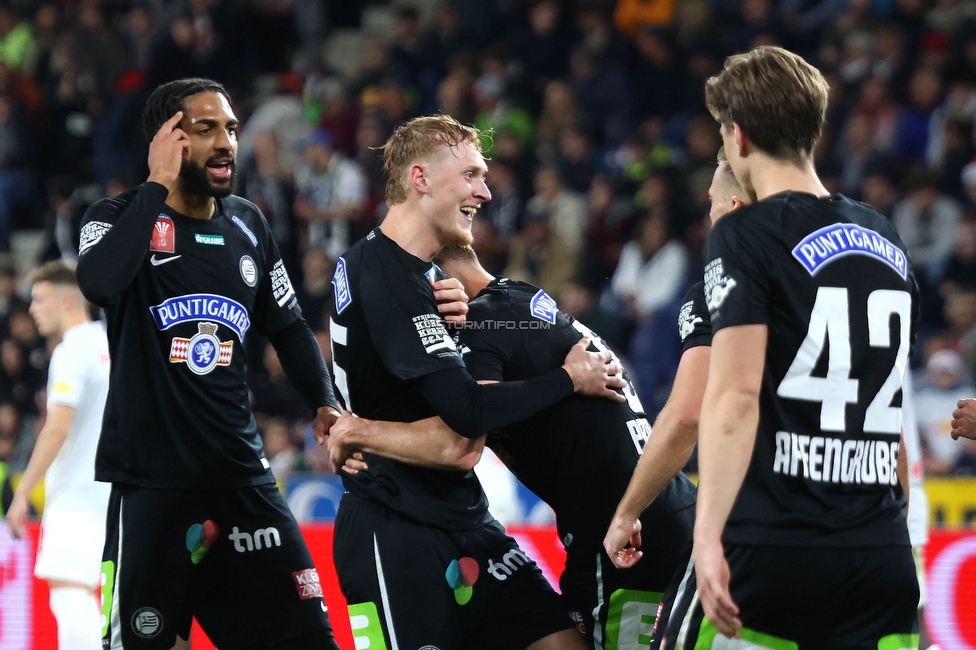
{"type": "Point", "coordinates": [577, 455]}
{"type": "Point", "coordinates": [184, 269]}
{"type": "Point", "coordinates": [420, 560]}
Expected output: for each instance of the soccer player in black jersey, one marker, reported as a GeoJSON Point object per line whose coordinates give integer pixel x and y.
{"type": "Point", "coordinates": [420, 560]}
{"type": "Point", "coordinates": [576, 455]}
{"type": "Point", "coordinates": [676, 426]}
{"type": "Point", "coordinates": [800, 538]}
{"type": "Point", "coordinates": [184, 270]}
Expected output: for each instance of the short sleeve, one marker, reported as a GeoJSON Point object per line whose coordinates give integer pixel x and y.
{"type": "Point", "coordinates": [276, 306]}
{"type": "Point", "coordinates": [486, 351]}
{"type": "Point", "coordinates": [404, 325]}
{"type": "Point", "coordinates": [694, 321]}
{"type": "Point", "coordinates": [736, 282]}
{"type": "Point", "coordinates": [66, 376]}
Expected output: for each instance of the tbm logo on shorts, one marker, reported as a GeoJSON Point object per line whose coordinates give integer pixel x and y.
{"type": "Point", "coordinates": [508, 565]}
{"type": "Point", "coordinates": [262, 538]}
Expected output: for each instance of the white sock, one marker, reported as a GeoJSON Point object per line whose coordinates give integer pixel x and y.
{"type": "Point", "coordinates": [79, 619]}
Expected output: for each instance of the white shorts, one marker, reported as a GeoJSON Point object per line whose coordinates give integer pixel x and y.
{"type": "Point", "coordinates": [71, 546]}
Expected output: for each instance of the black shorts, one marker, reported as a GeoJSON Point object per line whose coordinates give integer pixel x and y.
{"type": "Point", "coordinates": [412, 586]}
{"type": "Point", "coordinates": [234, 559]}
{"type": "Point", "coordinates": [615, 608]}
{"type": "Point", "coordinates": [805, 598]}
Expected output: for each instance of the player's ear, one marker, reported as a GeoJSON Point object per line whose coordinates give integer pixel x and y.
{"type": "Point", "coordinates": [737, 203]}
{"type": "Point", "coordinates": [741, 140]}
{"type": "Point", "coordinates": [418, 179]}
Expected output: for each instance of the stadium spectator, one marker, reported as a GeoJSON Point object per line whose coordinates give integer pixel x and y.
{"type": "Point", "coordinates": [935, 399]}
{"type": "Point", "coordinates": [926, 221]}
{"type": "Point", "coordinates": [652, 268]}
{"type": "Point", "coordinates": [331, 193]}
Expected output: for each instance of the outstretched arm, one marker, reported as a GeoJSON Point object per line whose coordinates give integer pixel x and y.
{"type": "Point", "coordinates": [425, 443]}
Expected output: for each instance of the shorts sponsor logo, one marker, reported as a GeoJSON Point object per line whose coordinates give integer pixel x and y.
{"type": "Point", "coordinates": [461, 575]}
{"type": "Point", "coordinates": [209, 240]}
{"type": "Point", "coordinates": [307, 583]}
{"type": "Point", "coordinates": [717, 284]}
{"type": "Point", "coordinates": [281, 287]}
{"type": "Point", "coordinates": [163, 238]}
{"type": "Point", "coordinates": [202, 306]}
{"type": "Point", "coordinates": [836, 460]}
{"type": "Point", "coordinates": [429, 647]}
{"type": "Point", "coordinates": [509, 563]}
{"type": "Point", "coordinates": [203, 352]}
{"type": "Point", "coordinates": [687, 320]}
{"type": "Point", "coordinates": [249, 271]}
{"type": "Point", "coordinates": [579, 621]}
{"type": "Point", "coordinates": [199, 539]}
{"type": "Point", "coordinates": [91, 233]}
{"type": "Point", "coordinates": [367, 631]}
{"type": "Point", "coordinates": [243, 226]}
{"type": "Point", "coordinates": [433, 336]}
{"type": "Point", "coordinates": [261, 538]}
{"type": "Point", "coordinates": [823, 246]}
{"type": "Point", "coordinates": [107, 591]}
{"type": "Point", "coordinates": [543, 307]}
{"type": "Point", "coordinates": [340, 286]}
{"type": "Point", "coordinates": [147, 622]}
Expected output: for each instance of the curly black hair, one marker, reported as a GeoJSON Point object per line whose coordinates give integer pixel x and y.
{"type": "Point", "coordinates": [168, 98]}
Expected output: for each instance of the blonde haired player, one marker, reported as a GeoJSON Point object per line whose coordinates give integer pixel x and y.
{"type": "Point", "coordinates": [73, 524]}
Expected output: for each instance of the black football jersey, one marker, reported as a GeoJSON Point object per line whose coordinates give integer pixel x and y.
{"type": "Point", "coordinates": [177, 413]}
{"type": "Point", "coordinates": [694, 321]}
{"type": "Point", "coordinates": [578, 456]}
{"type": "Point", "coordinates": [386, 331]}
{"type": "Point", "coordinates": [830, 279]}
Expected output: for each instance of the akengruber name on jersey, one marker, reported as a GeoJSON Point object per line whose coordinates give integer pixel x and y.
{"type": "Point", "coordinates": [835, 460]}
{"type": "Point", "coordinates": [202, 306]}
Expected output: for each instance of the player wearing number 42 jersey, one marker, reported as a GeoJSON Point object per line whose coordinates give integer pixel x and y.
{"type": "Point", "coordinates": [800, 538]}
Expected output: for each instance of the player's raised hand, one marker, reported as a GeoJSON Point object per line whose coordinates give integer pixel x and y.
{"type": "Point", "coordinates": [452, 301]}
{"type": "Point", "coordinates": [712, 573]}
{"type": "Point", "coordinates": [594, 373]}
{"type": "Point", "coordinates": [623, 542]}
{"type": "Point", "coordinates": [964, 420]}
{"type": "Point", "coordinates": [167, 151]}
{"type": "Point", "coordinates": [17, 515]}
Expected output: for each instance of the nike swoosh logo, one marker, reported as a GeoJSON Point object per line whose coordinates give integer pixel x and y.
{"type": "Point", "coordinates": [155, 262]}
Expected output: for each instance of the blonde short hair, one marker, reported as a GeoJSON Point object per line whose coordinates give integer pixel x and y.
{"type": "Point", "coordinates": [417, 139]}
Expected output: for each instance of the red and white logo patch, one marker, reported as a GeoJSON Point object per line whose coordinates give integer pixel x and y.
{"type": "Point", "coordinates": [307, 583]}
{"type": "Point", "coordinates": [163, 236]}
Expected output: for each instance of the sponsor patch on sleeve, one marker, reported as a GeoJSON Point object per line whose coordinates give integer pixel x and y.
{"type": "Point", "coordinates": [543, 307]}
{"type": "Point", "coordinates": [823, 246]}
{"type": "Point", "coordinates": [717, 284]}
{"type": "Point", "coordinates": [307, 583]}
{"type": "Point", "coordinates": [340, 286]}
{"type": "Point", "coordinates": [61, 388]}
{"type": "Point", "coordinates": [687, 320]}
{"type": "Point", "coordinates": [91, 233]}
{"type": "Point", "coordinates": [432, 334]}
{"type": "Point", "coordinates": [281, 284]}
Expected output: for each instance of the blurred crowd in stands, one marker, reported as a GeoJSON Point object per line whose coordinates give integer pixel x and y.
{"type": "Point", "coordinates": [601, 153]}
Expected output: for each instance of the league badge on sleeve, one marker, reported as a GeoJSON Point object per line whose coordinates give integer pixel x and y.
{"type": "Point", "coordinates": [543, 307]}
{"type": "Point", "coordinates": [164, 235]}
{"type": "Point", "coordinates": [203, 352]}
{"type": "Point", "coordinates": [340, 286]}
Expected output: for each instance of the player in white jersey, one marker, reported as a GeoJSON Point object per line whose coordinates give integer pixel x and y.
{"type": "Point", "coordinates": [73, 523]}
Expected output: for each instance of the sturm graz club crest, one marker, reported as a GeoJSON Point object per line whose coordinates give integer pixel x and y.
{"type": "Point", "coordinates": [203, 352]}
